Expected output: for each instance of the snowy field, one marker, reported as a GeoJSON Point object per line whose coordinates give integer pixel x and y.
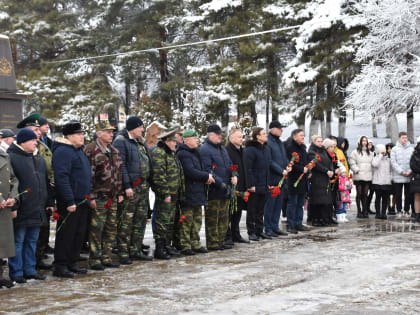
{"type": "Point", "coordinates": [362, 267]}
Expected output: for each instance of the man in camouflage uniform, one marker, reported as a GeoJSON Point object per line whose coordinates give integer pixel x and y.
{"type": "Point", "coordinates": [167, 185]}
{"type": "Point", "coordinates": [216, 161]}
{"type": "Point", "coordinates": [33, 122]}
{"type": "Point", "coordinates": [136, 172]}
{"type": "Point", "coordinates": [106, 191]}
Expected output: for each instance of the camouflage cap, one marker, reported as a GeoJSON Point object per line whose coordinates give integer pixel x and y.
{"type": "Point", "coordinates": [168, 135]}
{"type": "Point", "coordinates": [31, 120]}
{"type": "Point", "coordinates": [104, 125]}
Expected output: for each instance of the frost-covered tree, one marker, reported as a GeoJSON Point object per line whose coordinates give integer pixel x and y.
{"type": "Point", "coordinates": [389, 82]}
{"type": "Point", "coordinates": [325, 45]}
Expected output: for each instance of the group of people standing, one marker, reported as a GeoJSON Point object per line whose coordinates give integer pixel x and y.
{"type": "Point", "coordinates": [99, 193]}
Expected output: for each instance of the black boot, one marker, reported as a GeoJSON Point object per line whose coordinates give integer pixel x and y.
{"type": "Point", "coordinates": [417, 217]}
{"type": "Point", "coordinates": [160, 251]}
{"type": "Point", "coordinates": [171, 250]}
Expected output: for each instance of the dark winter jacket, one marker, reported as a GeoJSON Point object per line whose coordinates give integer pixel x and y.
{"type": "Point", "coordinates": [237, 156]}
{"type": "Point", "coordinates": [279, 159]}
{"type": "Point", "coordinates": [258, 165]}
{"type": "Point", "coordinates": [195, 176]}
{"type": "Point", "coordinates": [31, 172]}
{"type": "Point", "coordinates": [297, 170]}
{"type": "Point", "coordinates": [72, 173]}
{"type": "Point", "coordinates": [320, 190]}
{"type": "Point", "coordinates": [415, 168]}
{"type": "Point", "coordinates": [135, 165]}
{"type": "Point", "coordinates": [340, 141]}
{"type": "Point", "coordinates": [216, 155]}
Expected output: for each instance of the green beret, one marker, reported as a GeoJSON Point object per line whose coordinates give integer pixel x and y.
{"type": "Point", "coordinates": [189, 133]}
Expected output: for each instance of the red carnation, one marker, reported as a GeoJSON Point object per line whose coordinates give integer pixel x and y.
{"type": "Point", "coordinates": [233, 168]}
{"type": "Point", "coordinates": [108, 204]}
{"type": "Point", "coordinates": [318, 157]}
{"type": "Point", "coordinates": [137, 182]}
{"type": "Point", "coordinates": [275, 192]}
{"type": "Point", "coordinates": [55, 216]}
{"type": "Point", "coordinates": [182, 218]}
{"type": "Point", "coordinates": [213, 166]}
{"type": "Point", "coordinates": [28, 190]}
{"type": "Point", "coordinates": [87, 197]}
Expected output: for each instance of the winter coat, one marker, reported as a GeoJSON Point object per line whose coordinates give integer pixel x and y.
{"type": "Point", "coordinates": [400, 159]}
{"type": "Point", "coordinates": [258, 166]}
{"type": "Point", "coordinates": [8, 188]}
{"type": "Point", "coordinates": [342, 159]}
{"type": "Point", "coordinates": [279, 159]}
{"type": "Point", "coordinates": [106, 168]}
{"type": "Point", "coordinates": [361, 165]}
{"type": "Point", "coordinates": [195, 176]}
{"type": "Point", "coordinates": [237, 156]}
{"type": "Point", "coordinates": [72, 173]}
{"type": "Point", "coordinates": [31, 172]}
{"type": "Point", "coordinates": [137, 163]}
{"type": "Point", "coordinates": [415, 168]}
{"type": "Point", "coordinates": [320, 190]}
{"type": "Point", "coordinates": [216, 160]}
{"type": "Point", "coordinates": [168, 177]}
{"type": "Point", "coordinates": [382, 171]}
{"type": "Point", "coordinates": [297, 169]}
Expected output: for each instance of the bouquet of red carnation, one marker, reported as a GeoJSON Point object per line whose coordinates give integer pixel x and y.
{"type": "Point", "coordinates": [275, 191]}
{"type": "Point", "coordinates": [137, 182]}
{"type": "Point", "coordinates": [243, 194]}
{"type": "Point", "coordinates": [312, 163]}
{"type": "Point", "coordinates": [233, 204]}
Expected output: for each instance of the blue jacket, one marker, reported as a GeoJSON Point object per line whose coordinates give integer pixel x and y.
{"type": "Point", "coordinates": [279, 159]}
{"type": "Point", "coordinates": [195, 176]}
{"type": "Point", "coordinates": [210, 154]}
{"type": "Point", "coordinates": [129, 149]}
{"type": "Point", "coordinates": [258, 164]}
{"type": "Point", "coordinates": [31, 172]}
{"type": "Point", "coordinates": [72, 172]}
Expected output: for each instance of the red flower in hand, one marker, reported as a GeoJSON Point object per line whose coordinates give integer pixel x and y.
{"type": "Point", "coordinates": [182, 218]}
{"type": "Point", "coordinates": [275, 192]}
{"type": "Point", "coordinates": [137, 182]}
{"type": "Point", "coordinates": [55, 216]}
{"type": "Point", "coordinates": [233, 168]}
{"type": "Point", "coordinates": [213, 166]}
{"type": "Point", "coordinates": [295, 157]}
{"type": "Point", "coordinates": [108, 204]}
{"type": "Point", "coordinates": [318, 157]}
{"type": "Point", "coordinates": [87, 197]}
{"type": "Point", "coordinates": [28, 190]}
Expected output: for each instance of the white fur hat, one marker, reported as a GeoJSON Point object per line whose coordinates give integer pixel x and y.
{"type": "Point", "coordinates": [380, 148]}
{"type": "Point", "coordinates": [328, 143]}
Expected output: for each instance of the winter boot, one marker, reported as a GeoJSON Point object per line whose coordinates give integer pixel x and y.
{"type": "Point", "coordinates": [171, 250]}
{"type": "Point", "coordinates": [417, 217]}
{"type": "Point", "coordinates": [345, 217]}
{"type": "Point", "coordinates": [160, 251]}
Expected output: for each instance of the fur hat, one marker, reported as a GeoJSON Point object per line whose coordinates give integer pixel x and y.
{"type": "Point", "coordinates": [380, 148]}
{"type": "Point", "coordinates": [328, 143]}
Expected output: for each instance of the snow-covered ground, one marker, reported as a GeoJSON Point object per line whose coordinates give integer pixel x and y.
{"type": "Point", "coordinates": [362, 267]}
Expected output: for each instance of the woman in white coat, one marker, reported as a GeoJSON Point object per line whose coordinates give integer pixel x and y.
{"type": "Point", "coordinates": [361, 164]}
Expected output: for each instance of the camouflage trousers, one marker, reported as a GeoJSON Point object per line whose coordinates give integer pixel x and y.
{"type": "Point", "coordinates": [165, 218]}
{"type": "Point", "coordinates": [132, 223]}
{"type": "Point", "coordinates": [190, 228]}
{"type": "Point", "coordinates": [102, 231]}
{"type": "Point", "coordinates": [217, 221]}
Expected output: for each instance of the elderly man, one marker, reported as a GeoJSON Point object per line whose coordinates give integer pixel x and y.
{"type": "Point", "coordinates": [106, 191]}
{"type": "Point", "coordinates": [278, 169]}
{"type": "Point", "coordinates": [72, 176]}
{"type": "Point", "coordinates": [136, 172]}
{"type": "Point", "coordinates": [168, 181]}
{"type": "Point", "coordinates": [195, 193]}
{"type": "Point", "coordinates": [216, 161]}
{"type": "Point", "coordinates": [31, 171]}
{"type": "Point", "coordinates": [7, 136]}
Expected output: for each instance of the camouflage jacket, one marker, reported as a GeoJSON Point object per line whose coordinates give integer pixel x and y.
{"type": "Point", "coordinates": [46, 153]}
{"type": "Point", "coordinates": [106, 166]}
{"type": "Point", "coordinates": [168, 177]}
